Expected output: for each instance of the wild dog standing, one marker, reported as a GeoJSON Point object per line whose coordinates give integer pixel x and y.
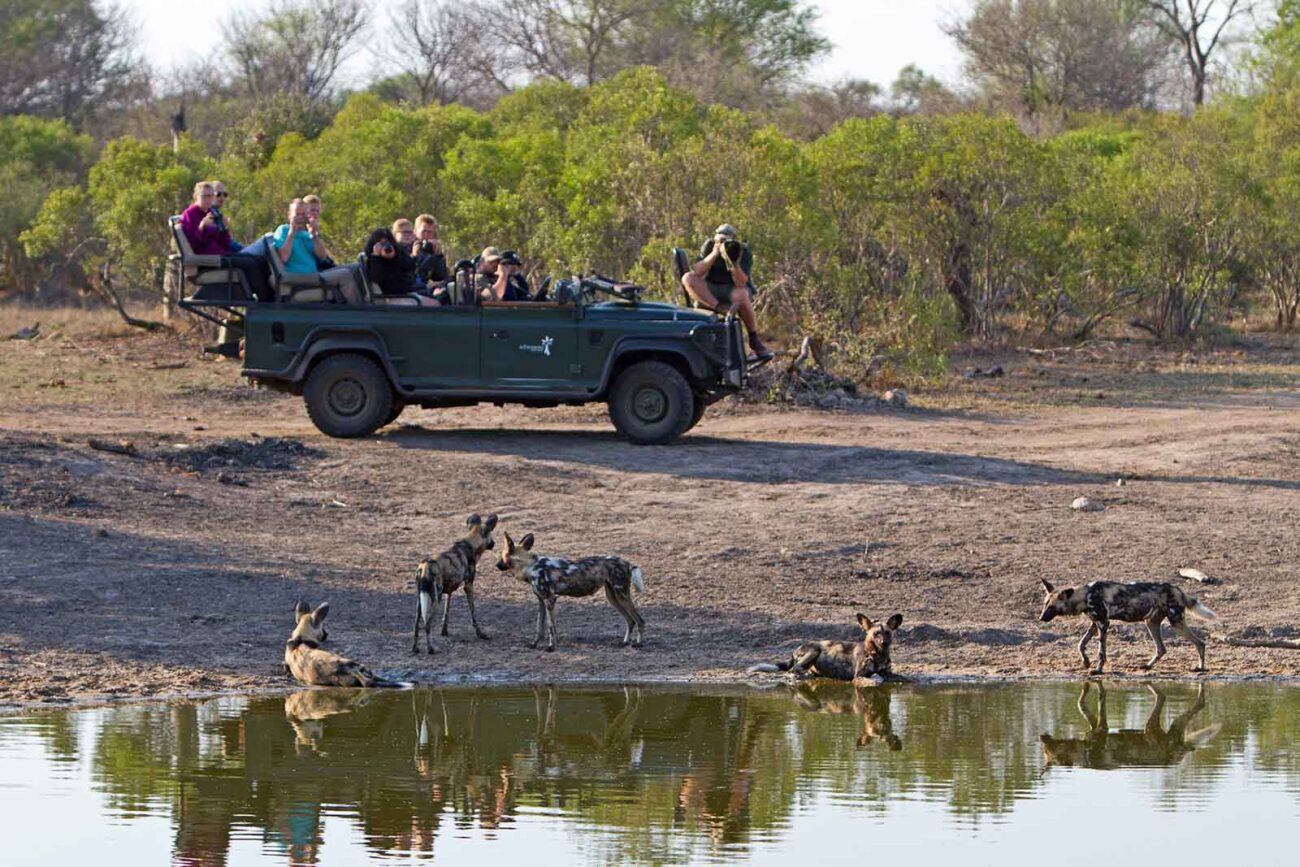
{"type": "Point", "coordinates": [1104, 601]}
{"type": "Point", "coordinates": [1104, 749]}
{"type": "Point", "coordinates": [440, 577]}
{"type": "Point", "coordinates": [845, 660]}
{"type": "Point", "coordinates": [311, 666]}
{"type": "Point", "coordinates": [551, 577]}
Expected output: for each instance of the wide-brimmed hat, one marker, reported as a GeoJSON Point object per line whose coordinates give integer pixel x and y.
{"type": "Point", "coordinates": [490, 254]}
{"type": "Point", "coordinates": [726, 230]}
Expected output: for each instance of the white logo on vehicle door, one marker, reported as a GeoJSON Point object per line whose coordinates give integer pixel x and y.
{"type": "Point", "coordinates": [544, 347]}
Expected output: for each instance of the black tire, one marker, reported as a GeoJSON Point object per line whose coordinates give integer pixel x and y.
{"type": "Point", "coordinates": [698, 414]}
{"type": "Point", "coordinates": [651, 403]}
{"type": "Point", "coordinates": [348, 395]}
{"type": "Point", "coordinates": [398, 406]}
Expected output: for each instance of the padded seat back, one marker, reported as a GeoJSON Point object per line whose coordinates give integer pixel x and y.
{"type": "Point", "coordinates": [682, 267]}
{"type": "Point", "coordinates": [202, 270]}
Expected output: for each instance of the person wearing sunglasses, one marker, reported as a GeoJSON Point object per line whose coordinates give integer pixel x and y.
{"type": "Point", "coordinates": [205, 229]}
{"type": "Point", "coordinates": [219, 199]}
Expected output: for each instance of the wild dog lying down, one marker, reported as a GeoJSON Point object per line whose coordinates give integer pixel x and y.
{"type": "Point", "coordinates": [551, 577]}
{"type": "Point", "coordinates": [845, 660]}
{"type": "Point", "coordinates": [311, 666]}
{"type": "Point", "coordinates": [1104, 601]}
{"type": "Point", "coordinates": [440, 577]}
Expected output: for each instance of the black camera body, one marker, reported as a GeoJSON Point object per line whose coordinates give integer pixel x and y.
{"type": "Point", "coordinates": [733, 250]}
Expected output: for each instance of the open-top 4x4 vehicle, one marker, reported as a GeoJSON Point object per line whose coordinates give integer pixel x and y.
{"type": "Point", "coordinates": [358, 366]}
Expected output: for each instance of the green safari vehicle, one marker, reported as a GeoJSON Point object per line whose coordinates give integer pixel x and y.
{"type": "Point", "coordinates": [357, 366]}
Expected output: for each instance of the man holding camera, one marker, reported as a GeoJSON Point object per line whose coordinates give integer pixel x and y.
{"type": "Point", "coordinates": [430, 260]}
{"type": "Point", "coordinates": [500, 277]}
{"type": "Point", "coordinates": [720, 280]}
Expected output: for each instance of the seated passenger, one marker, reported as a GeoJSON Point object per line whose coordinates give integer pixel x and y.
{"type": "Point", "coordinates": [499, 278]}
{"type": "Point", "coordinates": [430, 260]}
{"type": "Point", "coordinates": [390, 270]}
{"type": "Point", "coordinates": [294, 244]}
{"type": "Point", "coordinates": [220, 197]}
{"type": "Point", "coordinates": [324, 261]}
{"type": "Point", "coordinates": [208, 236]}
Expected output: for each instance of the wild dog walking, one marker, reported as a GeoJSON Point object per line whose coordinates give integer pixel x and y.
{"type": "Point", "coordinates": [1104, 601]}
{"type": "Point", "coordinates": [1104, 749]}
{"type": "Point", "coordinates": [846, 660]}
{"type": "Point", "coordinates": [436, 579]}
{"type": "Point", "coordinates": [551, 577]}
{"type": "Point", "coordinates": [311, 666]}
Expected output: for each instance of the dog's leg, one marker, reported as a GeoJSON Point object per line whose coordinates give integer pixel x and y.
{"type": "Point", "coordinates": [806, 661]}
{"type": "Point", "coordinates": [419, 616]}
{"type": "Point", "coordinates": [550, 616]}
{"type": "Point", "coordinates": [1102, 628]}
{"type": "Point", "coordinates": [446, 608]}
{"type": "Point", "coordinates": [1153, 627]}
{"type": "Point", "coordinates": [612, 595]}
{"type": "Point", "coordinates": [473, 618]}
{"type": "Point", "coordinates": [1083, 643]}
{"type": "Point", "coordinates": [1083, 706]}
{"type": "Point", "coordinates": [541, 621]}
{"type": "Point", "coordinates": [1153, 726]}
{"type": "Point", "coordinates": [1182, 629]}
{"type": "Point", "coordinates": [636, 615]}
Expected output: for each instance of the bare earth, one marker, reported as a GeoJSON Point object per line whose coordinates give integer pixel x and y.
{"type": "Point", "coordinates": [175, 570]}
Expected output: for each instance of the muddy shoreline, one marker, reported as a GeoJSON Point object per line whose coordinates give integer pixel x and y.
{"type": "Point", "coordinates": [173, 568]}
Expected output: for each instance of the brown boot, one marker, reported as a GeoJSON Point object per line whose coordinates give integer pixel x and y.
{"type": "Point", "coordinates": [760, 349]}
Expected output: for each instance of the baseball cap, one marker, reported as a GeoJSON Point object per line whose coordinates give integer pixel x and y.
{"type": "Point", "coordinates": [726, 230]}
{"type": "Point", "coordinates": [490, 254]}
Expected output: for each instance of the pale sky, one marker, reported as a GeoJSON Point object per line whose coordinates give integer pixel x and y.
{"type": "Point", "coordinates": [873, 39]}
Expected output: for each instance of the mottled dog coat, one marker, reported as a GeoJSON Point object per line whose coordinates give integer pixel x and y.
{"type": "Point", "coordinates": [1152, 745]}
{"type": "Point", "coordinates": [312, 666]}
{"type": "Point", "coordinates": [551, 577]}
{"type": "Point", "coordinates": [1104, 601]}
{"type": "Point", "coordinates": [441, 576]}
{"type": "Point", "coordinates": [845, 660]}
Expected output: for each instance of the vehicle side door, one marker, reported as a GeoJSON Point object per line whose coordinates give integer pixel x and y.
{"type": "Point", "coordinates": [432, 347]}
{"type": "Point", "coordinates": [529, 346]}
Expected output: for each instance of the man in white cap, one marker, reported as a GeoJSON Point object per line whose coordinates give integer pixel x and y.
{"type": "Point", "coordinates": [720, 281]}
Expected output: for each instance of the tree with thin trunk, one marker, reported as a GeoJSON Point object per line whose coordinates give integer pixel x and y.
{"type": "Point", "coordinates": [295, 48]}
{"type": "Point", "coordinates": [1199, 27]}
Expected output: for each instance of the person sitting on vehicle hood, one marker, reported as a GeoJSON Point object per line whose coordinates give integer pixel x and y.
{"type": "Point", "coordinates": [721, 279]}
{"type": "Point", "coordinates": [500, 278]}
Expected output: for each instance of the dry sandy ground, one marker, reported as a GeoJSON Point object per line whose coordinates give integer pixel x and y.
{"type": "Point", "coordinates": [176, 570]}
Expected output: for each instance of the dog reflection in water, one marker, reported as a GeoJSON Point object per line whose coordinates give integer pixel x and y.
{"type": "Point", "coordinates": [1151, 745]}
{"type": "Point", "coordinates": [307, 709]}
{"type": "Point", "coordinates": [871, 703]}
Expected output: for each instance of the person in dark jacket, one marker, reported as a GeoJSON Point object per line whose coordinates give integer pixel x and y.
{"type": "Point", "coordinates": [430, 258]}
{"type": "Point", "coordinates": [390, 269]}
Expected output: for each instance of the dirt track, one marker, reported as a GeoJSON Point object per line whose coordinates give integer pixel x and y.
{"type": "Point", "coordinates": [176, 569]}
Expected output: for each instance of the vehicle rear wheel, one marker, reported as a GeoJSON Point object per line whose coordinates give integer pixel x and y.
{"type": "Point", "coordinates": [651, 403]}
{"type": "Point", "coordinates": [348, 395]}
{"type": "Point", "coordinates": [698, 414]}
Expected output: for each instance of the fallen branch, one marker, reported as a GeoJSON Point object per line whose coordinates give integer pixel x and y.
{"type": "Point", "coordinates": [1276, 643]}
{"type": "Point", "coordinates": [121, 447]}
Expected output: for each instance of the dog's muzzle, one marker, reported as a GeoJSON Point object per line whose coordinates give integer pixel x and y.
{"type": "Point", "coordinates": [501, 567]}
{"type": "Point", "coordinates": [1047, 615]}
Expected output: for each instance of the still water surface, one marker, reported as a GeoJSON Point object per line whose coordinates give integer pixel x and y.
{"type": "Point", "coordinates": [825, 774]}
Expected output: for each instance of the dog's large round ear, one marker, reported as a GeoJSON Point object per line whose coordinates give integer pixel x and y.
{"type": "Point", "coordinates": [527, 542]}
{"type": "Point", "coordinates": [1047, 585]}
{"type": "Point", "coordinates": [894, 621]}
{"type": "Point", "coordinates": [472, 520]}
{"type": "Point", "coordinates": [864, 621]}
{"type": "Point", "coordinates": [490, 523]}
{"type": "Point", "coordinates": [322, 611]}
{"type": "Point", "coordinates": [300, 609]}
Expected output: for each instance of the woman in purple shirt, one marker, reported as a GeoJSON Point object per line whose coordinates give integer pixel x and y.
{"type": "Point", "coordinates": [208, 236]}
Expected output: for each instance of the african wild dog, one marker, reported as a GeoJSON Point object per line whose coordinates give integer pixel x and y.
{"type": "Point", "coordinates": [1103, 749]}
{"type": "Point", "coordinates": [845, 660]}
{"type": "Point", "coordinates": [311, 666]}
{"type": "Point", "coordinates": [439, 577]}
{"type": "Point", "coordinates": [869, 703]}
{"type": "Point", "coordinates": [551, 577]}
{"type": "Point", "coordinates": [1104, 601]}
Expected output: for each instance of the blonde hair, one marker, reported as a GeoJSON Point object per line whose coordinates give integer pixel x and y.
{"type": "Point", "coordinates": [424, 219]}
{"type": "Point", "coordinates": [200, 187]}
{"type": "Point", "coordinates": [398, 224]}
{"type": "Point", "coordinates": [313, 199]}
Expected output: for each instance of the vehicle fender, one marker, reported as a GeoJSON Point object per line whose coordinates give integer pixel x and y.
{"type": "Point", "coordinates": [690, 354]}
{"type": "Point", "coordinates": [328, 341]}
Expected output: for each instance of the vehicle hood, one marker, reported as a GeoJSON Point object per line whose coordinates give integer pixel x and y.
{"type": "Point", "coordinates": [646, 311]}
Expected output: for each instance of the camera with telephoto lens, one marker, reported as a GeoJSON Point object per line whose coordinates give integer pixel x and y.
{"type": "Point", "coordinates": [732, 248]}
{"type": "Point", "coordinates": [387, 248]}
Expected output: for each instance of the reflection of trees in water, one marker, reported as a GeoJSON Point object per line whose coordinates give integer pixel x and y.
{"type": "Point", "coordinates": [676, 775]}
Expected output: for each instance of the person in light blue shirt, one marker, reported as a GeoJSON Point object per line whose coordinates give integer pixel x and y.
{"type": "Point", "coordinates": [296, 248]}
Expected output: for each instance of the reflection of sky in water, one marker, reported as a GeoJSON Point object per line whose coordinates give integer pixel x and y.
{"type": "Point", "coordinates": [650, 776]}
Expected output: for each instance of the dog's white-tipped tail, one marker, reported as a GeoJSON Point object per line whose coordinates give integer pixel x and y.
{"type": "Point", "coordinates": [1200, 611]}
{"type": "Point", "coordinates": [764, 667]}
{"type": "Point", "coordinates": [638, 580]}
{"type": "Point", "coordinates": [426, 607]}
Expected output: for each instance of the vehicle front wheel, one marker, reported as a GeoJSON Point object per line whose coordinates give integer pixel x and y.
{"type": "Point", "coordinates": [348, 395]}
{"type": "Point", "coordinates": [698, 414]}
{"type": "Point", "coordinates": [651, 403]}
